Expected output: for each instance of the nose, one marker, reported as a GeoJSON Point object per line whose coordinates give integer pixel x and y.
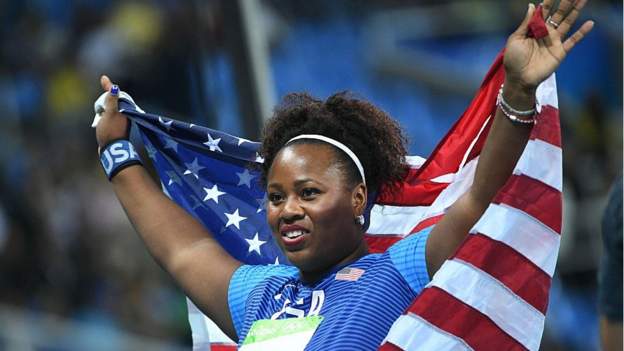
{"type": "Point", "coordinates": [292, 210]}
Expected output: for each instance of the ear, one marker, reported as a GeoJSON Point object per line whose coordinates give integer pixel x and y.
{"type": "Point", "coordinates": [358, 199]}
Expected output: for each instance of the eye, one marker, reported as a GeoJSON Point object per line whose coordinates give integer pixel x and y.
{"type": "Point", "coordinates": [275, 198]}
{"type": "Point", "coordinates": [309, 193]}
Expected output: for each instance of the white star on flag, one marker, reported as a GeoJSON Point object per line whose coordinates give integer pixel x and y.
{"type": "Point", "coordinates": [245, 178]}
{"type": "Point", "coordinates": [171, 144]}
{"type": "Point", "coordinates": [173, 178]}
{"type": "Point", "coordinates": [261, 204]}
{"type": "Point", "coordinates": [234, 219]}
{"type": "Point", "coordinates": [167, 125]}
{"type": "Point", "coordinates": [255, 243]}
{"type": "Point", "coordinates": [151, 151]}
{"type": "Point", "coordinates": [276, 260]}
{"type": "Point", "coordinates": [259, 158]}
{"type": "Point", "coordinates": [213, 144]}
{"type": "Point", "coordinates": [193, 168]}
{"type": "Point", "coordinates": [213, 194]}
{"type": "Point", "coordinates": [243, 140]}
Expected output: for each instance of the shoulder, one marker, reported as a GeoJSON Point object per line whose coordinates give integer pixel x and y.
{"type": "Point", "coordinates": [410, 244]}
{"type": "Point", "coordinates": [409, 257]}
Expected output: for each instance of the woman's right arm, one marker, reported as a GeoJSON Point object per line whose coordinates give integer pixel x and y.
{"type": "Point", "coordinates": [176, 240]}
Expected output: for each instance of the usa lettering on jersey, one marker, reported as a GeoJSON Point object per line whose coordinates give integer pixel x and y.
{"type": "Point", "coordinates": [316, 303]}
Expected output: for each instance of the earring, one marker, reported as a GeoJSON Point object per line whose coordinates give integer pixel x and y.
{"type": "Point", "coordinates": [360, 220]}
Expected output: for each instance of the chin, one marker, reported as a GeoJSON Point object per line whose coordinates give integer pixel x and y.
{"type": "Point", "coordinates": [303, 260]}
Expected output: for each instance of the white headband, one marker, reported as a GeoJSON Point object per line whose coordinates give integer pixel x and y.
{"type": "Point", "coordinates": [337, 144]}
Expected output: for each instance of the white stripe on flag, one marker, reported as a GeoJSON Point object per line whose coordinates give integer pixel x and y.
{"type": "Point", "coordinates": [386, 219]}
{"type": "Point", "coordinates": [415, 161]}
{"type": "Point", "coordinates": [203, 330]}
{"type": "Point", "coordinates": [449, 178]}
{"type": "Point", "coordinates": [546, 93]}
{"type": "Point", "coordinates": [448, 196]}
{"type": "Point", "coordinates": [523, 233]}
{"type": "Point", "coordinates": [490, 297]}
{"type": "Point", "coordinates": [199, 332]}
{"type": "Point", "coordinates": [410, 332]}
{"type": "Point", "coordinates": [542, 161]}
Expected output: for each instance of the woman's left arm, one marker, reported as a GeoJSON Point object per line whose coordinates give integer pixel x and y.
{"type": "Point", "coordinates": [528, 62]}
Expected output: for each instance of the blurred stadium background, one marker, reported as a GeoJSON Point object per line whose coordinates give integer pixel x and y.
{"type": "Point", "coordinates": [74, 276]}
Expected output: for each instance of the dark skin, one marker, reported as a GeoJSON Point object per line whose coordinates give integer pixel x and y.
{"type": "Point", "coordinates": [185, 249]}
{"type": "Point", "coordinates": [307, 188]}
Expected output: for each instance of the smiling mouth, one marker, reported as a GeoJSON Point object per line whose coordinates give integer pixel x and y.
{"type": "Point", "coordinates": [294, 239]}
{"type": "Point", "coordinates": [293, 234]}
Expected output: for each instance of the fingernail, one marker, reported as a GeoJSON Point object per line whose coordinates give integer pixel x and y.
{"type": "Point", "coordinates": [114, 90]}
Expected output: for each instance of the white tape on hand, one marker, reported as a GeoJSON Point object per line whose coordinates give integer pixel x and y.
{"type": "Point", "coordinates": [98, 106]}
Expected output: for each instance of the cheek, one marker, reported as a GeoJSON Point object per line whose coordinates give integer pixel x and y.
{"type": "Point", "coordinates": [329, 218]}
{"type": "Point", "coordinates": [272, 218]}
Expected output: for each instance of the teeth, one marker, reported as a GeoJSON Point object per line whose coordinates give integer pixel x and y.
{"type": "Point", "coordinates": [294, 234]}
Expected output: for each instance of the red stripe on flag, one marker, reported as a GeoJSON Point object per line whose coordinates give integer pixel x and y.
{"type": "Point", "coordinates": [417, 193]}
{"type": "Point", "coordinates": [427, 223]}
{"type": "Point", "coordinates": [388, 346]}
{"type": "Point", "coordinates": [478, 146]}
{"type": "Point", "coordinates": [380, 243]}
{"type": "Point", "coordinates": [417, 189]}
{"type": "Point", "coordinates": [508, 266]}
{"type": "Point", "coordinates": [448, 154]}
{"type": "Point", "coordinates": [547, 127]}
{"type": "Point", "coordinates": [539, 200]}
{"type": "Point", "coordinates": [453, 316]}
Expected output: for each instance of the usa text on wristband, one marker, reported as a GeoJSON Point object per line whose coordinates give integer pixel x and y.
{"type": "Point", "coordinates": [118, 155]}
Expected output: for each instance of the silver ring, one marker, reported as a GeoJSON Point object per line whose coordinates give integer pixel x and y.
{"type": "Point", "coordinates": [552, 23]}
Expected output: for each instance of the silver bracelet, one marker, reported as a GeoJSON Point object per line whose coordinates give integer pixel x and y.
{"type": "Point", "coordinates": [512, 114]}
{"type": "Point", "coordinates": [512, 110]}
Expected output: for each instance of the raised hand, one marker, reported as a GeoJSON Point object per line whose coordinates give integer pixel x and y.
{"type": "Point", "coordinates": [528, 61]}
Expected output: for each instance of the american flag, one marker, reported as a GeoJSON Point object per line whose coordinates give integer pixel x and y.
{"type": "Point", "coordinates": [349, 274]}
{"type": "Point", "coordinates": [491, 294]}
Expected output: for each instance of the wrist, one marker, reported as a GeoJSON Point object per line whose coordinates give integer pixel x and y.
{"type": "Point", "coordinates": [522, 116]}
{"type": "Point", "coordinates": [117, 155]}
{"type": "Point", "coordinates": [519, 95]}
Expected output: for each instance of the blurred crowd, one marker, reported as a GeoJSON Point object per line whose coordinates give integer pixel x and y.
{"type": "Point", "coordinates": [66, 247]}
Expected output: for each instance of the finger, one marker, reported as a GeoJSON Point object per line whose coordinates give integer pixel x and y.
{"type": "Point", "coordinates": [105, 82]}
{"type": "Point", "coordinates": [110, 102]}
{"type": "Point", "coordinates": [578, 36]}
{"type": "Point", "coordinates": [546, 7]}
{"type": "Point", "coordinates": [562, 10]}
{"type": "Point", "coordinates": [523, 28]}
{"type": "Point", "coordinates": [569, 20]}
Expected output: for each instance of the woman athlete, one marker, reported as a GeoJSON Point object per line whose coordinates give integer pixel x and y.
{"type": "Point", "coordinates": [323, 159]}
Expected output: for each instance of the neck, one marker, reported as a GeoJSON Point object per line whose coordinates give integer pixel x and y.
{"type": "Point", "coordinates": [311, 277]}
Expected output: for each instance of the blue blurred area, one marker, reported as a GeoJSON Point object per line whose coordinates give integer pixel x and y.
{"type": "Point", "coordinates": [66, 247]}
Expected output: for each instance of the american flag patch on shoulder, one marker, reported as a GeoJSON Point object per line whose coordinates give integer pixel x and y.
{"type": "Point", "coordinates": [349, 274]}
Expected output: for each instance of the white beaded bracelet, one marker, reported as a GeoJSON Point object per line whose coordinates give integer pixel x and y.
{"type": "Point", "coordinates": [511, 113]}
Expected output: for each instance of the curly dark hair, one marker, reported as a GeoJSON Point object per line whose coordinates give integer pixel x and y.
{"type": "Point", "coordinates": [375, 138]}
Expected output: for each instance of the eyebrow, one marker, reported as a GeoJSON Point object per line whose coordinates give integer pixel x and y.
{"type": "Point", "coordinates": [298, 182]}
{"type": "Point", "coordinates": [302, 181]}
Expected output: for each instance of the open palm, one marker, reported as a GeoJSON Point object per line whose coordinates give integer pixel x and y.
{"type": "Point", "coordinates": [528, 61]}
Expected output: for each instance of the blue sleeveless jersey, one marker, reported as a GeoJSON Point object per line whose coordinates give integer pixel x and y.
{"type": "Point", "coordinates": [358, 302]}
